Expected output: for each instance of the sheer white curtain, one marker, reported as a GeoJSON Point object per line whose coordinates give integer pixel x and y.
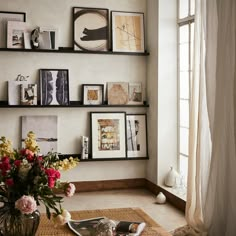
{"type": "Point", "coordinates": [211, 197]}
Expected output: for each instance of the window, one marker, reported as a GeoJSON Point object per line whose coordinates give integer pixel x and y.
{"type": "Point", "coordinates": [185, 22]}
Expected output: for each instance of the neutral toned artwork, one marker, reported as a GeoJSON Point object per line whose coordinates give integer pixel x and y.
{"type": "Point", "coordinates": [117, 93]}
{"type": "Point", "coordinates": [14, 95]}
{"type": "Point", "coordinates": [28, 94]}
{"type": "Point", "coordinates": [135, 93]}
{"type": "Point", "coordinates": [90, 29]}
{"type": "Point", "coordinates": [92, 94]}
{"type": "Point", "coordinates": [127, 31]}
{"type": "Point", "coordinates": [45, 128]}
{"type": "Point", "coordinates": [54, 87]}
{"type": "Point", "coordinates": [136, 135]}
{"type": "Point", "coordinates": [4, 18]}
{"type": "Point", "coordinates": [108, 134]}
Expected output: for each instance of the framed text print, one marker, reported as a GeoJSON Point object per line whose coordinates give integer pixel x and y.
{"type": "Point", "coordinates": [90, 29]}
{"type": "Point", "coordinates": [127, 31]}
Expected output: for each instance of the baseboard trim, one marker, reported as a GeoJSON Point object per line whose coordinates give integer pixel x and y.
{"type": "Point", "coordinates": [102, 185]}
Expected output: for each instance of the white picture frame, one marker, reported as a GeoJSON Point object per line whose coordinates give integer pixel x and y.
{"type": "Point", "coordinates": [135, 94]}
{"type": "Point", "coordinates": [92, 94]}
{"type": "Point", "coordinates": [48, 38]}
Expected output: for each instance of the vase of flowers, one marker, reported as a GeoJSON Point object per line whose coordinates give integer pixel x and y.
{"type": "Point", "coordinates": [28, 179]}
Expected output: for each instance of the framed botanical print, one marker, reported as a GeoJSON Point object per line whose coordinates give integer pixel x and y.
{"type": "Point", "coordinates": [108, 135]}
{"type": "Point", "coordinates": [136, 133]}
{"type": "Point", "coordinates": [90, 29]}
{"type": "Point", "coordinates": [127, 31]}
{"type": "Point", "coordinates": [92, 94]}
{"type": "Point", "coordinates": [54, 86]}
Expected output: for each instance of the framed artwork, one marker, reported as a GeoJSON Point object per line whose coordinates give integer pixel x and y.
{"type": "Point", "coordinates": [135, 93]}
{"type": "Point", "coordinates": [28, 94]}
{"type": "Point", "coordinates": [54, 86]}
{"type": "Point", "coordinates": [108, 134]}
{"type": "Point", "coordinates": [14, 93]}
{"type": "Point", "coordinates": [4, 18]}
{"type": "Point", "coordinates": [136, 133]}
{"type": "Point", "coordinates": [117, 93]}
{"type": "Point", "coordinates": [45, 128]}
{"type": "Point", "coordinates": [127, 31]}
{"type": "Point", "coordinates": [90, 29]}
{"type": "Point", "coordinates": [48, 38]}
{"type": "Point", "coordinates": [15, 34]}
{"type": "Point", "coordinates": [92, 94]}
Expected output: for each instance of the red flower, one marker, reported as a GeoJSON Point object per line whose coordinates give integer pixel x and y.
{"type": "Point", "coordinates": [17, 163]}
{"type": "Point", "coordinates": [9, 182]}
{"type": "Point", "coordinates": [53, 175]}
{"type": "Point", "coordinates": [5, 165]}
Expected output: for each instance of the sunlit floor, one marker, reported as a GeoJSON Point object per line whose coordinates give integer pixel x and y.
{"type": "Point", "coordinates": [165, 215]}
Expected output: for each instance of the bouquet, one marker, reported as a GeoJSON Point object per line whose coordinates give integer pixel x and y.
{"type": "Point", "coordinates": [28, 179]}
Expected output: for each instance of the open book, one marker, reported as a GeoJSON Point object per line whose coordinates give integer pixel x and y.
{"type": "Point", "coordinates": [103, 226]}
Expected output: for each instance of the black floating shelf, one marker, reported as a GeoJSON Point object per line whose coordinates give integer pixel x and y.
{"type": "Point", "coordinates": [70, 50]}
{"type": "Point", "coordinates": [73, 104]}
{"type": "Point", "coordinates": [63, 156]}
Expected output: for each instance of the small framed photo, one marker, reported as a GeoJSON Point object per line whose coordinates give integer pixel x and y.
{"type": "Point", "coordinates": [4, 18]}
{"type": "Point", "coordinates": [135, 93]}
{"type": "Point", "coordinates": [128, 31]}
{"type": "Point", "coordinates": [136, 133]}
{"type": "Point", "coordinates": [54, 86]}
{"type": "Point", "coordinates": [15, 34]}
{"type": "Point", "coordinates": [117, 93]}
{"type": "Point", "coordinates": [108, 134]}
{"type": "Point", "coordinates": [92, 94]}
{"type": "Point", "coordinates": [90, 29]}
{"type": "Point", "coordinates": [28, 94]}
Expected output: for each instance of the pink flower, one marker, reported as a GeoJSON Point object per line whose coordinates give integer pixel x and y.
{"type": "Point", "coordinates": [26, 204]}
{"type": "Point", "coordinates": [69, 190]}
{"type": "Point", "coordinates": [9, 182]}
{"type": "Point", "coordinates": [53, 175]}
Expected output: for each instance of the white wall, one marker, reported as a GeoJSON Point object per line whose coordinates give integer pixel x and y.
{"type": "Point", "coordinates": [82, 69]}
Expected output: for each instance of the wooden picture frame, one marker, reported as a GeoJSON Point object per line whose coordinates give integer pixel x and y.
{"type": "Point", "coordinates": [92, 94]}
{"type": "Point", "coordinates": [136, 133]}
{"type": "Point", "coordinates": [108, 134]}
{"type": "Point", "coordinates": [128, 32]}
{"type": "Point", "coordinates": [6, 16]}
{"type": "Point", "coordinates": [54, 87]}
{"type": "Point", "coordinates": [91, 31]}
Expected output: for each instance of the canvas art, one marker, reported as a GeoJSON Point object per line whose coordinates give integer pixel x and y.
{"type": "Point", "coordinates": [117, 93]}
{"type": "Point", "coordinates": [54, 87]}
{"type": "Point", "coordinates": [45, 128]}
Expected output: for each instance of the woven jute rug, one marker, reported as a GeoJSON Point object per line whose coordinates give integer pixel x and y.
{"type": "Point", "coordinates": [130, 214]}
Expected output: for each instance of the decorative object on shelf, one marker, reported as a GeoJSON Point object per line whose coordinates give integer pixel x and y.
{"type": "Point", "coordinates": [84, 147]}
{"type": "Point", "coordinates": [35, 38]}
{"type": "Point", "coordinates": [4, 18]}
{"type": "Point", "coordinates": [135, 93]}
{"type": "Point", "coordinates": [48, 38]}
{"type": "Point", "coordinates": [136, 134]}
{"type": "Point", "coordinates": [108, 137]}
{"type": "Point", "coordinates": [28, 179]}
{"type": "Point", "coordinates": [92, 94]}
{"type": "Point", "coordinates": [90, 29]}
{"type": "Point", "coordinates": [28, 94]}
{"type": "Point", "coordinates": [15, 34]}
{"type": "Point", "coordinates": [46, 129]}
{"type": "Point", "coordinates": [117, 93]}
{"type": "Point", "coordinates": [160, 198]}
{"type": "Point", "coordinates": [54, 86]}
{"type": "Point", "coordinates": [127, 31]}
{"type": "Point", "coordinates": [171, 177]}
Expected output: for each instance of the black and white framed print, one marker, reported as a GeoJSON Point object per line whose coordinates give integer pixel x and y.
{"type": "Point", "coordinates": [136, 133]}
{"type": "Point", "coordinates": [54, 86]}
{"type": "Point", "coordinates": [90, 29]}
{"type": "Point", "coordinates": [108, 136]}
{"type": "Point", "coordinates": [6, 16]}
{"type": "Point", "coordinates": [92, 94]}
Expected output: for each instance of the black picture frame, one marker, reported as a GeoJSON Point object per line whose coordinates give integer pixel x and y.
{"type": "Point", "coordinates": [94, 35]}
{"type": "Point", "coordinates": [128, 32]}
{"type": "Point", "coordinates": [92, 94]}
{"type": "Point", "coordinates": [54, 87]}
{"type": "Point", "coordinates": [108, 135]}
{"type": "Point", "coordinates": [136, 134]}
{"type": "Point", "coordinates": [6, 16]}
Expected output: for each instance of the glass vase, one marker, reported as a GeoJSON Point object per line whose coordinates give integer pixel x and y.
{"type": "Point", "coordinates": [13, 223]}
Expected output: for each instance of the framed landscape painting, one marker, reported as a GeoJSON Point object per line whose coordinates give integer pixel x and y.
{"type": "Point", "coordinates": [54, 86]}
{"type": "Point", "coordinates": [136, 133]}
{"type": "Point", "coordinates": [108, 134]}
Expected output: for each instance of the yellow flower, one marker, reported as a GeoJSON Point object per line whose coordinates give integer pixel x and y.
{"type": "Point", "coordinates": [67, 164]}
{"type": "Point", "coordinates": [6, 147]}
{"type": "Point", "coordinates": [30, 142]}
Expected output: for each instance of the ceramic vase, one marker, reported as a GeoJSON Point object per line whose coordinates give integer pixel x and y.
{"type": "Point", "coordinates": [171, 177]}
{"type": "Point", "coordinates": [161, 198]}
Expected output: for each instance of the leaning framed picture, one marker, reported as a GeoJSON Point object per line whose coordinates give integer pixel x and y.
{"type": "Point", "coordinates": [127, 31]}
{"type": "Point", "coordinates": [92, 94]}
{"type": "Point", "coordinates": [117, 93]}
{"type": "Point", "coordinates": [136, 133]}
{"type": "Point", "coordinates": [6, 16]}
{"type": "Point", "coordinates": [54, 86]}
{"type": "Point", "coordinates": [108, 134]}
{"type": "Point", "coordinates": [90, 29]}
